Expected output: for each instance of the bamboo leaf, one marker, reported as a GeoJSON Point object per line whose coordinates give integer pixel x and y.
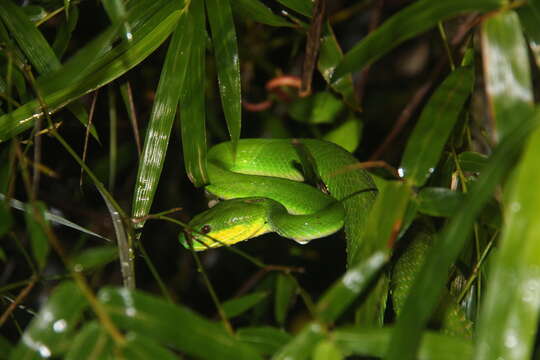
{"type": "Point", "coordinates": [407, 23]}
{"type": "Point", "coordinates": [507, 72]}
{"type": "Point", "coordinates": [327, 350]}
{"type": "Point", "coordinates": [257, 11]}
{"type": "Point", "coordinates": [433, 129]}
{"type": "Point", "coordinates": [94, 257]}
{"type": "Point", "coordinates": [472, 161]}
{"type": "Point", "coordinates": [139, 347]}
{"type": "Point", "coordinates": [266, 339]}
{"type": "Point", "coordinates": [29, 38]}
{"type": "Point", "coordinates": [91, 342]}
{"type": "Point", "coordinates": [431, 280]}
{"type": "Point", "coordinates": [38, 238]}
{"type": "Point", "coordinates": [152, 22]}
{"type": "Point", "coordinates": [192, 99]}
{"type": "Point", "coordinates": [375, 342]}
{"type": "Point", "coordinates": [300, 6]}
{"type": "Point", "coordinates": [382, 229]}
{"type": "Point", "coordinates": [227, 63]}
{"type": "Point", "coordinates": [285, 292]}
{"type": "Point", "coordinates": [301, 346]}
{"type": "Point", "coordinates": [170, 85]}
{"type": "Point", "coordinates": [176, 326]}
{"type": "Point", "coordinates": [50, 331]}
{"type": "Point", "coordinates": [237, 306]}
{"type": "Point", "coordinates": [330, 55]}
{"type": "Point", "coordinates": [529, 15]}
{"type": "Point", "coordinates": [508, 322]}
{"type": "Point", "coordinates": [337, 298]}
{"type": "Point", "coordinates": [438, 201]}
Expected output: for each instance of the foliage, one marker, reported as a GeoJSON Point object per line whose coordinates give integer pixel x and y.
{"type": "Point", "coordinates": [436, 98]}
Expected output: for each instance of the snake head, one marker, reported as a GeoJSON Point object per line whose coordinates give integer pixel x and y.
{"type": "Point", "coordinates": [227, 223]}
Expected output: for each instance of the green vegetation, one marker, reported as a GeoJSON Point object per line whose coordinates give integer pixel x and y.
{"type": "Point", "coordinates": [108, 109]}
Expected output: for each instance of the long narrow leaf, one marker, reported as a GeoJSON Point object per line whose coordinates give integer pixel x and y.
{"type": "Point", "coordinates": [29, 38]}
{"type": "Point", "coordinates": [508, 323]}
{"type": "Point", "coordinates": [374, 342]}
{"type": "Point", "coordinates": [49, 332]}
{"type": "Point", "coordinates": [436, 122]}
{"type": "Point", "coordinates": [413, 20]}
{"type": "Point", "coordinates": [431, 280]}
{"type": "Point", "coordinates": [336, 300]}
{"type": "Point", "coordinates": [161, 120]}
{"type": "Point", "coordinates": [227, 63]}
{"type": "Point", "coordinates": [507, 72]}
{"type": "Point", "coordinates": [192, 100]}
{"type": "Point", "coordinates": [153, 29]}
{"type": "Point", "coordinates": [173, 325]}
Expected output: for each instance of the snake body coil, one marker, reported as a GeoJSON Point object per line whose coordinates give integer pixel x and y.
{"type": "Point", "coordinates": [264, 192]}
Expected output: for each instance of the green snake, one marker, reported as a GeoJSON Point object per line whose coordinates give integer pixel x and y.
{"type": "Point", "coordinates": [264, 191]}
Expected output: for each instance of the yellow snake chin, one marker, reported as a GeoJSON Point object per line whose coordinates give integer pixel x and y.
{"type": "Point", "coordinates": [233, 234]}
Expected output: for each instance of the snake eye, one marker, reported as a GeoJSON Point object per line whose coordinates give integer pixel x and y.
{"type": "Point", "coordinates": [206, 229]}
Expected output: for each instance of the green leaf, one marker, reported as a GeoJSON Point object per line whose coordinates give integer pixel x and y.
{"type": "Point", "coordinates": [237, 306]}
{"type": "Point", "coordinates": [382, 229]}
{"type": "Point", "coordinates": [301, 346]}
{"type": "Point", "coordinates": [374, 342]}
{"type": "Point", "coordinates": [330, 55]}
{"type": "Point", "coordinates": [285, 293]}
{"type": "Point", "coordinates": [29, 38]}
{"type": "Point", "coordinates": [5, 348]}
{"type": "Point", "coordinates": [472, 161]}
{"type": "Point", "coordinates": [508, 322]}
{"type": "Point", "coordinates": [176, 326]}
{"type": "Point", "coordinates": [257, 11]}
{"type": "Point", "coordinates": [265, 339]}
{"type": "Point", "coordinates": [38, 237]}
{"type": "Point", "coordinates": [346, 135]}
{"type": "Point", "coordinates": [327, 350]}
{"type": "Point", "coordinates": [91, 342]}
{"type": "Point", "coordinates": [94, 258]}
{"type": "Point", "coordinates": [170, 86]}
{"type": "Point", "coordinates": [407, 23]}
{"type": "Point", "coordinates": [303, 7]}
{"type": "Point", "coordinates": [320, 108]}
{"type": "Point", "coordinates": [49, 216]}
{"type": "Point", "coordinates": [192, 99]}
{"type": "Point", "coordinates": [36, 48]}
{"type": "Point", "coordinates": [507, 72]}
{"type": "Point", "coordinates": [529, 15]}
{"type": "Point", "coordinates": [431, 280]}
{"type": "Point", "coordinates": [227, 63]}
{"type": "Point", "coordinates": [117, 13]}
{"type": "Point", "coordinates": [338, 298]}
{"type": "Point", "coordinates": [139, 347]}
{"type": "Point", "coordinates": [435, 125]}
{"type": "Point", "coordinates": [63, 34]}
{"type": "Point", "coordinates": [152, 21]}
{"type": "Point", "coordinates": [50, 332]}
{"type": "Point", "coordinates": [437, 201]}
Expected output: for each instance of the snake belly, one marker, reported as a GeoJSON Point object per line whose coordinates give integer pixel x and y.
{"type": "Point", "coordinates": [263, 188]}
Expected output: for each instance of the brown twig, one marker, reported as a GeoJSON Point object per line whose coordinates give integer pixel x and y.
{"type": "Point", "coordinates": [254, 279]}
{"type": "Point", "coordinates": [313, 44]}
{"type": "Point", "coordinates": [87, 133]}
{"type": "Point", "coordinates": [23, 294]}
{"type": "Point", "coordinates": [274, 86]}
